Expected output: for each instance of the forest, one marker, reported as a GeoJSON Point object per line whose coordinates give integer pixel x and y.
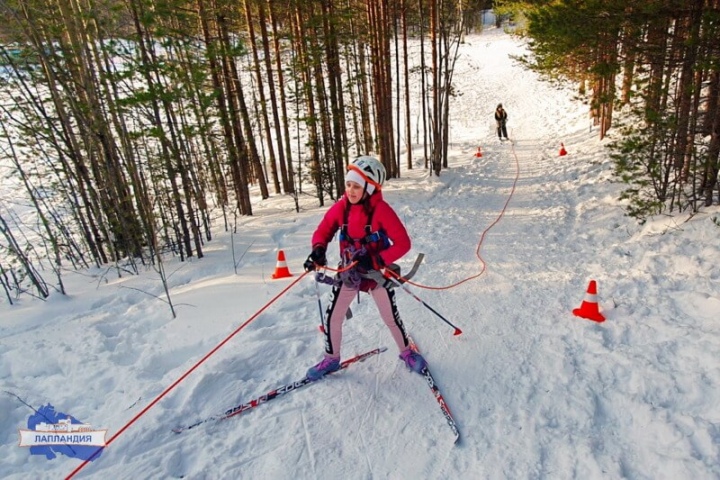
{"type": "Point", "coordinates": [658, 63]}
{"type": "Point", "coordinates": [130, 129]}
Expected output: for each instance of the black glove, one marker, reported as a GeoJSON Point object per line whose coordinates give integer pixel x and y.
{"type": "Point", "coordinates": [370, 262]}
{"type": "Point", "coordinates": [317, 256]}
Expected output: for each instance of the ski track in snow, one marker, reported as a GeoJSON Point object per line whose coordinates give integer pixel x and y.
{"type": "Point", "coordinates": [536, 392]}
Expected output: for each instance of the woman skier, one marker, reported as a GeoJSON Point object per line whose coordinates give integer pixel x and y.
{"type": "Point", "coordinates": [371, 237]}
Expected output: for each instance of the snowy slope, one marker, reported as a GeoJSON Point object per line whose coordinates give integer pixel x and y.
{"type": "Point", "coordinates": [536, 391]}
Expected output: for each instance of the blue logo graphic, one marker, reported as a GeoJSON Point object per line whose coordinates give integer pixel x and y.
{"type": "Point", "coordinates": [59, 433]}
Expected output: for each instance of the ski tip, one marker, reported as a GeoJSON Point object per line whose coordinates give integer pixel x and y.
{"type": "Point", "coordinates": [178, 429]}
{"type": "Point", "coordinates": [457, 332]}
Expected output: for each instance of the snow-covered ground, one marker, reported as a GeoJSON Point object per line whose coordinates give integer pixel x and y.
{"type": "Point", "coordinates": [536, 391]}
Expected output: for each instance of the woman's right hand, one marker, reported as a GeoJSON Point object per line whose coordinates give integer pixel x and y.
{"type": "Point", "coordinates": [316, 257]}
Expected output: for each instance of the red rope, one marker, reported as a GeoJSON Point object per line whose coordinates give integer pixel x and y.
{"type": "Point", "coordinates": [482, 238]}
{"type": "Point", "coordinates": [235, 332]}
{"type": "Point", "coordinates": [183, 377]}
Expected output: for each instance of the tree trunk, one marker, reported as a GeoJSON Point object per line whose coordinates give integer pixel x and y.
{"type": "Point", "coordinates": [261, 93]}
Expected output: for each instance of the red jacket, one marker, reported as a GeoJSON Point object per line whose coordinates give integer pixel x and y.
{"type": "Point", "coordinates": [384, 219]}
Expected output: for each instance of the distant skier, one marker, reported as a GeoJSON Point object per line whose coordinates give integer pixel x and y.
{"type": "Point", "coordinates": [372, 235]}
{"type": "Point", "coordinates": [501, 120]}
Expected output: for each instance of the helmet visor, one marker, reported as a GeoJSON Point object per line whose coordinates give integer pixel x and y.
{"type": "Point", "coordinates": [369, 180]}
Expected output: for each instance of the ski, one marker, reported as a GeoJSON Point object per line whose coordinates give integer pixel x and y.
{"type": "Point", "coordinates": [425, 372]}
{"type": "Point", "coordinates": [272, 394]}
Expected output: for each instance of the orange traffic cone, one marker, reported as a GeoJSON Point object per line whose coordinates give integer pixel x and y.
{"type": "Point", "coordinates": [589, 308]}
{"type": "Point", "coordinates": [281, 269]}
{"type": "Point", "coordinates": [478, 153]}
{"type": "Point", "coordinates": [563, 152]}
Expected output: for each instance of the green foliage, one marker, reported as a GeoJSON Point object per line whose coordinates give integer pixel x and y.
{"type": "Point", "coordinates": [636, 165]}
{"type": "Point", "coordinates": [592, 42]}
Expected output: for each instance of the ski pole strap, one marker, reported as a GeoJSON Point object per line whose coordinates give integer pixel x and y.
{"type": "Point", "coordinates": [326, 279]}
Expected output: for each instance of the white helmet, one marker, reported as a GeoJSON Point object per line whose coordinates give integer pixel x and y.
{"type": "Point", "coordinates": [370, 169]}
